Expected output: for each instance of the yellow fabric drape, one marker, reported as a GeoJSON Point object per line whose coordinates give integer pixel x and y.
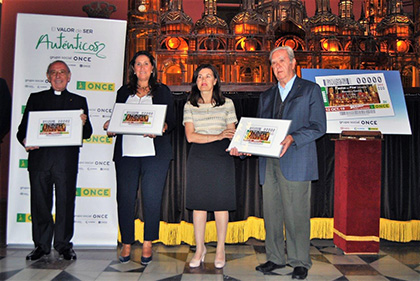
{"type": "Point", "coordinates": [252, 227]}
{"type": "Point", "coordinates": [400, 231]}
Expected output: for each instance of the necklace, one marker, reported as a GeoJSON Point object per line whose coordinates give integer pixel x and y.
{"type": "Point", "coordinates": [143, 88]}
{"type": "Point", "coordinates": [142, 91]}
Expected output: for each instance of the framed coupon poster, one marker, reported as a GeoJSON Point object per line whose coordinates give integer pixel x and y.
{"type": "Point", "coordinates": [54, 128]}
{"type": "Point", "coordinates": [137, 119]}
{"type": "Point", "coordinates": [355, 96]}
{"type": "Point", "coordinates": [260, 136]}
{"type": "Point", "coordinates": [362, 100]}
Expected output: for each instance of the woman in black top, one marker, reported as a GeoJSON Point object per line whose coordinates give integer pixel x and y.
{"type": "Point", "coordinates": [146, 157]}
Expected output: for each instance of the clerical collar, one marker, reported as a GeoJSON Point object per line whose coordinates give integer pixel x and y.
{"type": "Point", "coordinates": [57, 93]}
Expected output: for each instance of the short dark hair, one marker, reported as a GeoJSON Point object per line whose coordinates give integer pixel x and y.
{"type": "Point", "coordinates": [195, 94]}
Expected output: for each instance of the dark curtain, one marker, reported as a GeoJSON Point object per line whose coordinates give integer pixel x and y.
{"type": "Point", "coordinates": [400, 171]}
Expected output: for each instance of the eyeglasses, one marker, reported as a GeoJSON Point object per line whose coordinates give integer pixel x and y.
{"type": "Point", "coordinates": [59, 72]}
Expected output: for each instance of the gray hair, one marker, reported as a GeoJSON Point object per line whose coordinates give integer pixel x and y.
{"type": "Point", "coordinates": [289, 50]}
{"type": "Point", "coordinates": [57, 61]}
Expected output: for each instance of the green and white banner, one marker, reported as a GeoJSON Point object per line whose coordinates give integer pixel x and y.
{"type": "Point", "coordinates": [94, 51]}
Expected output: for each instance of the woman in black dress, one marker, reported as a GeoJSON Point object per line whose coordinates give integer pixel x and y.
{"type": "Point", "coordinates": [209, 120]}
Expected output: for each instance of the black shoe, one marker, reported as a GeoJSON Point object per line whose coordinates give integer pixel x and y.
{"type": "Point", "coordinates": [36, 254]}
{"type": "Point", "coordinates": [269, 266]}
{"type": "Point", "coordinates": [146, 261]}
{"type": "Point", "coordinates": [69, 254]}
{"type": "Point", "coordinates": [300, 272]}
{"type": "Point", "coordinates": [124, 259]}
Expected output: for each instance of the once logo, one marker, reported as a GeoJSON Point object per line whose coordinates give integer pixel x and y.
{"type": "Point", "coordinates": [99, 139]}
{"type": "Point", "coordinates": [93, 192]}
{"type": "Point", "coordinates": [95, 86]}
{"type": "Point", "coordinates": [20, 217]}
{"type": "Point", "coordinates": [100, 216]}
{"type": "Point", "coordinates": [102, 163]}
{"type": "Point", "coordinates": [23, 163]}
{"type": "Point", "coordinates": [369, 122]}
{"type": "Point", "coordinates": [104, 110]}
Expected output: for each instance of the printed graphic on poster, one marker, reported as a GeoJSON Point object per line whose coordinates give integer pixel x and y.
{"type": "Point", "coordinates": [349, 96]}
{"type": "Point", "coordinates": [54, 128]}
{"type": "Point", "coordinates": [137, 119]}
{"type": "Point", "coordinates": [260, 136]}
{"type": "Point", "coordinates": [362, 100]}
{"type": "Point", "coordinates": [94, 51]}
